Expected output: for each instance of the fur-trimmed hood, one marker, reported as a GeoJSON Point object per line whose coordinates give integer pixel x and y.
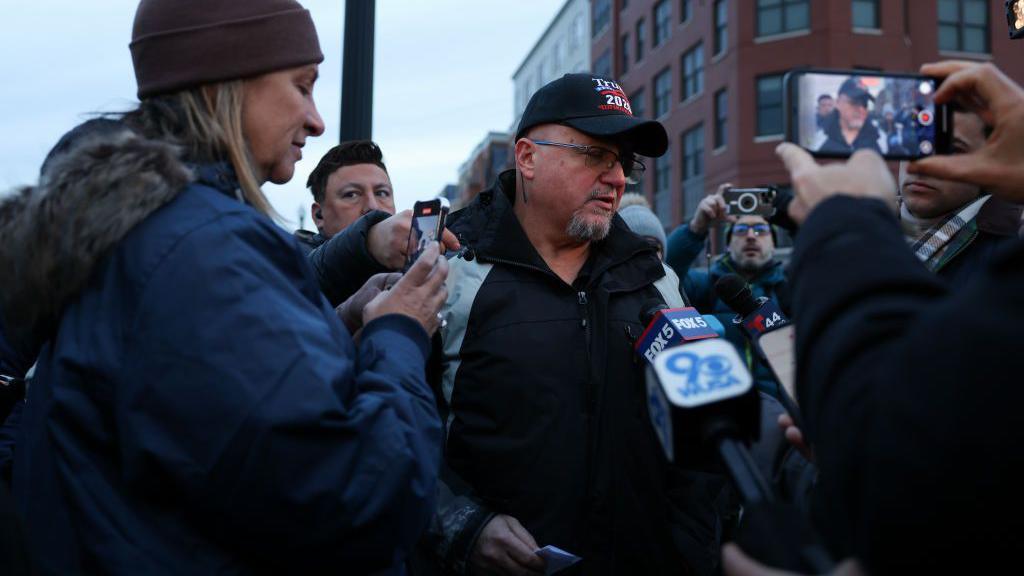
{"type": "Point", "coordinates": [94, 189]}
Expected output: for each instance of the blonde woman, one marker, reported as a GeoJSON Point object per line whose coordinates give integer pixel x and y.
{"type": "Point", "coordinates": [197, 406]}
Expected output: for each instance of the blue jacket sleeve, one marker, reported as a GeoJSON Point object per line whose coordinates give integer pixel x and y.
{"type": "Point", "coordinates": [244, 400]}
{"type": "Point", "coordinates": [343, 263]}
{"type": "Point", "coordinates": [909, 394]}
{"type": "Point", "coordinates": [684, 247]}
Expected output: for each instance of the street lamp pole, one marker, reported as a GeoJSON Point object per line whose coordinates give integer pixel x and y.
{"type": "Point", "coordinates": [357, 71]}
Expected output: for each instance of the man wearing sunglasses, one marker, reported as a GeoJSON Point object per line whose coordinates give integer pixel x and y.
{"type": "Point", "coordinates": [548, 439]}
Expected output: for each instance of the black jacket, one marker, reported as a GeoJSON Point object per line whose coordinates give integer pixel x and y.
{"type": "Point", "coordinates": [911, 394]}
{"type": "Point", "coordinates": [545, 406]}
{"type": "Point", "coordinates": [869, 137]}
{"type": "Point", "coordinates": [342, 262]}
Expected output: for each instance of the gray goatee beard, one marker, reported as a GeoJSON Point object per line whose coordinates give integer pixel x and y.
{"type": "Point", "coordinates": [579, 228]}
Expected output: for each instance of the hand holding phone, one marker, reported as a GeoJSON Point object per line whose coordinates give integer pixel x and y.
{"type": "Point", "coordinates": [832, 113]}
{"type": "Point", "coordinates": [427, 225]}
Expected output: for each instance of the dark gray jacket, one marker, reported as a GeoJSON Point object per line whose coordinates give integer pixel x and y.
{"type": "Point", "coordinates": [342, 263]}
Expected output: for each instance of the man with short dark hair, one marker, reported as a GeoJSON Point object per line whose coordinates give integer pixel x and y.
{"type": "Point", "coordinates": [350, 181]}
{"type": "Point", "coordinates": [850, 128]}
{"type": "Point", "coordinates": [825, 107]}
{"type": "Point", "coordinates": [548, 437]}
{"type": "Point", "coordinates": [354, 210]}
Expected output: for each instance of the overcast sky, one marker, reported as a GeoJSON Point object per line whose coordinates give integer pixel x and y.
{"type": "Point", "coordinates": [442, 81]}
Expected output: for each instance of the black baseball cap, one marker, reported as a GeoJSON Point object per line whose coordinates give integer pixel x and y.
{"type": "Point", "coordinates": [855, 90]}
{"type": "Point", "coordinates": [597, 107]}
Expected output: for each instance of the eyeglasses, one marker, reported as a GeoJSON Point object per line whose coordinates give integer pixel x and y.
{"type": "Point", "coordinates": [597, 156]}
{"type": "Point", "coordinates": [744, 229]}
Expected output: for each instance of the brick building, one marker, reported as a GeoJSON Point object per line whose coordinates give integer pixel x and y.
{"type": "Point", "coordinates": [711, 71]}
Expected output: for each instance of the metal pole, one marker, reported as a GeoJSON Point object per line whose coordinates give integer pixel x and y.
{"type": "Point", "coordinates": [357, 71]}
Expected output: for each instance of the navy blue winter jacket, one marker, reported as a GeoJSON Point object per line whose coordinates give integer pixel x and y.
{"type": "Point", "coordinates": [199, 408]}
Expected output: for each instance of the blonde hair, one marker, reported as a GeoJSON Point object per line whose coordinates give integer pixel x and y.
{"type": "Point", "coordinates": [207, 122]}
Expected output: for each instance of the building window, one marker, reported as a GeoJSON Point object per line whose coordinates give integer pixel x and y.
{"type": "Point", "coordinates": [721, 25]}
{"type": "Point", "coordinates": [693, 152]}
{"type": "Point", "coordinates": [662, 21]}
{"type": "Point", "coordinates": [963, 26]}
{"type": "Point", "coordinates": [641, 38]}
{"type": "Point", "coordinates": [769, 105]}
{"type": "Point", "coordinates": [781, 16]}
{"type": "Point", "coordinates": [603, 64]}
{"type": "Point", "coordinates": [662, 92]}
{"type": "Point", "coordinates": [865, 14]}
{"type": "Point", "coordinates": [721, 113]}
{"type": "Point", "coordinates": [693, 71]}
{"type": "Point", "coordinates": [601, 16]}
{"type": "Point", "coordinates": [624, 54]}
{"type": "Point", "coordinates": [663, 189]}
{"type": "Point", "coordinates": [685, 11]}
{"type": "Point", "coordinates": [638, 101]}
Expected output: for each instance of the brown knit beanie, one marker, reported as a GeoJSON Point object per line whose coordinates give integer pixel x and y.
{"type": "Point", "coordinates": [179, 44]}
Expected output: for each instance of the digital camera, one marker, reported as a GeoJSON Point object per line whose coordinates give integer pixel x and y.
{"type": "Point", "coordinates": [750, 201]}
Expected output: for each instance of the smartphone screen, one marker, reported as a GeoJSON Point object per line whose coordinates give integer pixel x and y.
{"type": "Point", "coordinates": [834, 113]}
{"type": "Point", "coordinates": [427, 222]}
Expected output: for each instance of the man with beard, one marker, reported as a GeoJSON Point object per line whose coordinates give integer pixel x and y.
{"type": "Point", "coordinates": [751, 255]}
{"type": "Point", "coordinates": [548, 438]}
{"type": "Point", "coordinates": [849, 128]}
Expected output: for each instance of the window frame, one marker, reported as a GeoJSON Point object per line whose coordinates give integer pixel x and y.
{"type": "Point", "coordinates": [624, 41]}
{"type": "Point", "coordinates": [759, 107]}
{"type": "Point", "coordinates": [692, 71]}
{"type": "Point", "coordinates": [878, 17]}
{"type": "Point", "coordinates": [960, 25]}
{"type": "Point", "coordinates": [696, 151]}
{"type": "Point", "coordinates": [640, 31]}
{"type": "Point", "coordinates": [721, 118]}
{"type": "Point", "coordinates": [602, 11]}
{"type": "Point", "coordinates": [781, 5]}
{"type": "Point", "coordinates": [662, 27]}
{"type": "Point", "coordinates": [665, 73]}
{"type": "Point", "coordinates": [720, 31]}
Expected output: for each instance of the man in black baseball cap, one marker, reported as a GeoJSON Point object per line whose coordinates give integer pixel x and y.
{"type": "Point", "coordinates": [548, 443]}
{"type": "Point", "coordinates": [597, 107]}
{"type": "Point", "coordinates": [850, 128]}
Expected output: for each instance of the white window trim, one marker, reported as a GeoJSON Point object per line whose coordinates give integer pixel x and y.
{"type": "Point", "coordinates": [956, 54]}
{"type": "Point", "coordinates": [782, 36]}
{"type": "Point", "coordinates": [769, 138]}
{"type": "Point", "coordinates": [868, 31]}
{"type": "Point", "coordinates": [692, 97]}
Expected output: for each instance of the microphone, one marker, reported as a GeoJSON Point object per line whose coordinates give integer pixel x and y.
{"type": "Point", "coordinates": [701, 399]}
{"type": "Point", "coordinates": [668, 327]}
{"type": "Point", "coordinates": [769, 331]}
{"type": "Point", "coordinates": [773, 531]}
{"type": "Point", "coordinates": [755, 316]}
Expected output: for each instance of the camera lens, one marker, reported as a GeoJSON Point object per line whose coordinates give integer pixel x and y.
{"type": "Point", "coordinates": [747, 202]}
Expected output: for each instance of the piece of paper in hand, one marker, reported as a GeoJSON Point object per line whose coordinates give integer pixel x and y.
{"type": "Point", "coordinates": [556, 558]}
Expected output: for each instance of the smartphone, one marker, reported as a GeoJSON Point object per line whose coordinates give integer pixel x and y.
{"type": "Point", "coordinates": [428, 220]}
{"type": "Point", "coordinates": [832, 113]}
{"type": "Point", "coordinates": [750, 201]}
